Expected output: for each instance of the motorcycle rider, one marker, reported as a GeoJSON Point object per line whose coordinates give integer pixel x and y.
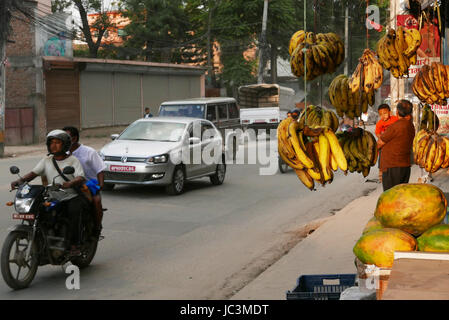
{"type": "Point", "coordinates": [93, 167]}
{"type": "Point", "coordinates": [295, 114]}
{"type": "Point", "coordinates": [58, 145]}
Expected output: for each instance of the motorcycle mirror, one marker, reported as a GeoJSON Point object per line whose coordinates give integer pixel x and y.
{"type": "Point", "coordinates": [14, 170]}
{"type": "Point", "coordinates": [68, 170]}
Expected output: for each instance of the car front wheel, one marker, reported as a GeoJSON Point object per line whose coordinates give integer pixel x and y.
{"type": "Point", "coordinates": [176, 186]}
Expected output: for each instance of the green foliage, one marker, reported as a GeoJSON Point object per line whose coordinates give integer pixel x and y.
{"type": "Point", "coordinates": [157, 29]}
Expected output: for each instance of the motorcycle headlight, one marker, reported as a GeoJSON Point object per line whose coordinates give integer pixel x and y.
{"type": "Point", "coordinates": [158, 159]}
{"type": "Point", "coordinates": [23, 205]}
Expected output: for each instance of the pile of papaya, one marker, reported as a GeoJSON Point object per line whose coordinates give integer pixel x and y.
{"type": "Point", "coordinates": [408, 217]}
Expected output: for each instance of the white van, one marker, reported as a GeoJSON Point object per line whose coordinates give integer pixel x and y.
{"type": "Point", "coordinates": [223, 112]}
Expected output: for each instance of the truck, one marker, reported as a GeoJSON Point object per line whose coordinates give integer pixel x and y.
{"type": "Point", "coordinates": [263, 106]}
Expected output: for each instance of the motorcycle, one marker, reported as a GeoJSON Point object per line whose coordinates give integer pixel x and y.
{"type": "Point", "coordinates": [41, 238]}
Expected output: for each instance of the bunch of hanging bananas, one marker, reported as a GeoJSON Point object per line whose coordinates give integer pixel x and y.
{"type": "Point", "coordinates": [316, 117]}
{"type": "Point", "coordinates": [397, 50]}
{"type": "Point", "coordinates": [431, 84]}
{"type": "Point", "coordinates": [347, 102]}
{"type": "Point", "coordinates": [360, 149]}
{"type": "Point", "coordinates": [429, 120]}
{"type": "Point", "coordinates": [368, 74]}
{"type": "Point", "coordinates": [431, 151]}
{"type": "Point", "coordinates": [324, 52]}
{"type": "Point", "coordinates": [314, 154]}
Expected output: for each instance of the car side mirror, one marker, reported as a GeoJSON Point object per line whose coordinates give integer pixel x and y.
{"type": "Point", "coordinates": [14, 170]}
{"type": "Point", "coordinates": [114, 136]}
{"type": "Point", "coordinates": [68, 170]}
{"type": "Point", "coordinates": [194, 140]}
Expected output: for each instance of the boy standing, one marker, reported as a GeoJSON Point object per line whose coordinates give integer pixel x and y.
{"type": "Point", "coordinates": [386, 120]}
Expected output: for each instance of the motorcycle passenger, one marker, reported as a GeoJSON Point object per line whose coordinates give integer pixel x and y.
{"type": "Point", "coordinates": [58, 145]}
{"type": "Point", "coordinates": [93, 167]}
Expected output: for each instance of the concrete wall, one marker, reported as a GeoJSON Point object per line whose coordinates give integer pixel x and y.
{"type": "Point", "coordinates": [23, 89]}
{"type": "Point", "coordinates": [25, 116]}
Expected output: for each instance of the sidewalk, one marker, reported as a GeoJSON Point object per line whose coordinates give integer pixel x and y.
{"type": "Point", "coordinates": [328, 250]}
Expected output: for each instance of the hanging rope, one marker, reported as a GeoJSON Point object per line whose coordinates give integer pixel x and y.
{"type": "Point", "coordinates": [367, 30]}
{"type": "Point", "coordinates": [304, 50]}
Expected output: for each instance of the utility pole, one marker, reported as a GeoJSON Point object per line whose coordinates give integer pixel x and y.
{"type": "Point", "coordinates": [211, 72]}
{"type": "Point", "coordinates": [3, 39]}
{"type": "Point", "coordinates": [263, 41]}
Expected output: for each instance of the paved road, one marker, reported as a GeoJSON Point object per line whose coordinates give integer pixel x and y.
{"type": "Point", "coordinates": [206, 243]}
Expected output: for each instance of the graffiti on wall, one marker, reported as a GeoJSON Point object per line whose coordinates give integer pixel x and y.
{"type": "Point", "coordinates": [55, 46]}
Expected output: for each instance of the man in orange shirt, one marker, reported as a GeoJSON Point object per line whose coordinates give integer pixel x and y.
{"type": "Point", "coordinates": [386, 120]}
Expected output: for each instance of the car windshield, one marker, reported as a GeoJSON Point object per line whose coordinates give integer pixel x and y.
{"type": "Point", "coordinates": [154, 131]}
{"type": "Point", "coordinates": [183, 110]}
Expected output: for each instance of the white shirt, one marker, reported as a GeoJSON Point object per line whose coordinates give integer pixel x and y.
{"type": "Point", "coordinates": [45, 167]}
{"type": "Point", "coordinates": [365, 117]}
{"type": "Point", "coordinates": [90, 160]}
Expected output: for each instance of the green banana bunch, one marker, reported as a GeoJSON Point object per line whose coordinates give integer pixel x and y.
{"type": "Point", "coordinates": [429, 120]}
{"type": "Point", "coordinates": [346, 102]}
{"type": "Point", "coordinates": [360, 149]}
{"type": "Point", "coordinates": [316, 117]}
{"type": "Point", "coordinates": [322, 53]}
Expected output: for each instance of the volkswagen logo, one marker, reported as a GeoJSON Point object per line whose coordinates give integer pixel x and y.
{"type": "Point", "coordinates": [124, 159]}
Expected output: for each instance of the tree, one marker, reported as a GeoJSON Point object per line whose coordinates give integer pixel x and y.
{"type": "Point", "coordinates": [157, 31]}
{"type": "Point", "coordinates": [92, 33]}
{"type": "Point", "coordinates": [202, 15]}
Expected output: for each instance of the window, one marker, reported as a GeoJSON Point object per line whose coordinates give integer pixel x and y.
{"type": "Point", "coordinates": [211, 113]}
{"type": "Point", "coordinates": [223, 112]}
{"type": "Point", "coordinates": [154, 131]}
{"type": "Point", "coordinates": [207, 131]}
{"type": "Point", "coordinates": [188, 110]}
{"type": "Point", "coordinates": [233, 111]}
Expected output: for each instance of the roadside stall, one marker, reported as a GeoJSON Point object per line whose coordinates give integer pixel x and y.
{"type": "Point", "coordinates": [409, 228]}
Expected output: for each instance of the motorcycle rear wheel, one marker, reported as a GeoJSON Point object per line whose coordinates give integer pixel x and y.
{"type": "Point", "coordinates": [87, 255]}
{"type": "Point", "coordinates": [17, 240]}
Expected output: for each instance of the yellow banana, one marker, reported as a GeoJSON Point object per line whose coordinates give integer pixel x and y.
{"type": "Point", "coordinates": [324, 156]}
{"type": "Point", "coordinates": [336, 149]}
{"type": "Point", "coordinates": [300, 154]}
{"type": "Point", "coordinates": [305, 179]}
{"type": "Point", "coordinates": [445, 163]}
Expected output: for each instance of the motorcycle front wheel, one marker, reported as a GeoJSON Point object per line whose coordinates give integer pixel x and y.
{"type": "Point", "coordinates": [17, 271]}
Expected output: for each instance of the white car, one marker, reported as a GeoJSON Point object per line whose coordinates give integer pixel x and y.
{"type": "Point", "coordinates": [165, 151]}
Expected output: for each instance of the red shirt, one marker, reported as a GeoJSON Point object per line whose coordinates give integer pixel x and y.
{"type": "Point", "coordinates": [381, 125]}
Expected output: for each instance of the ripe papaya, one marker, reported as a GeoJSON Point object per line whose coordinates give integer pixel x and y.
{"type": "Point", "coordinates": [436, 239]}
{"type": "Point", "coordinates": [377, 247]}
{"type": "Point", "coordinates": [413, 207]}
{"type": "Point", "coordinates": [373, 224]}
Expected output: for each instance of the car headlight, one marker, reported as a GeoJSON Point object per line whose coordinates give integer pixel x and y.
{"type": "Point", "coordinates": [102, 156]}
{"type": "Point", "coordinates": [23, 205]}
{"type": "Point", "coordinates": [158, 159]}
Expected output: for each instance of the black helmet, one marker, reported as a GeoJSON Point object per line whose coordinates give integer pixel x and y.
{"type": "Point", "coordinates": [296, 111]}
{"type": "Point", "coordinates": [61, 135]}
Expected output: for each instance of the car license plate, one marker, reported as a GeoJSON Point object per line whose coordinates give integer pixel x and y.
{"type": "Point", "coordinates": [259, 121]}
{"type": "Point", "coordinates": [23, 216]}
{"type": "Point", "coordinates": [122, 168]}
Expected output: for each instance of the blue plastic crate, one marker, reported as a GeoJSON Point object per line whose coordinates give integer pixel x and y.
{"type": "Point", "coordinates": [321, 286]}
